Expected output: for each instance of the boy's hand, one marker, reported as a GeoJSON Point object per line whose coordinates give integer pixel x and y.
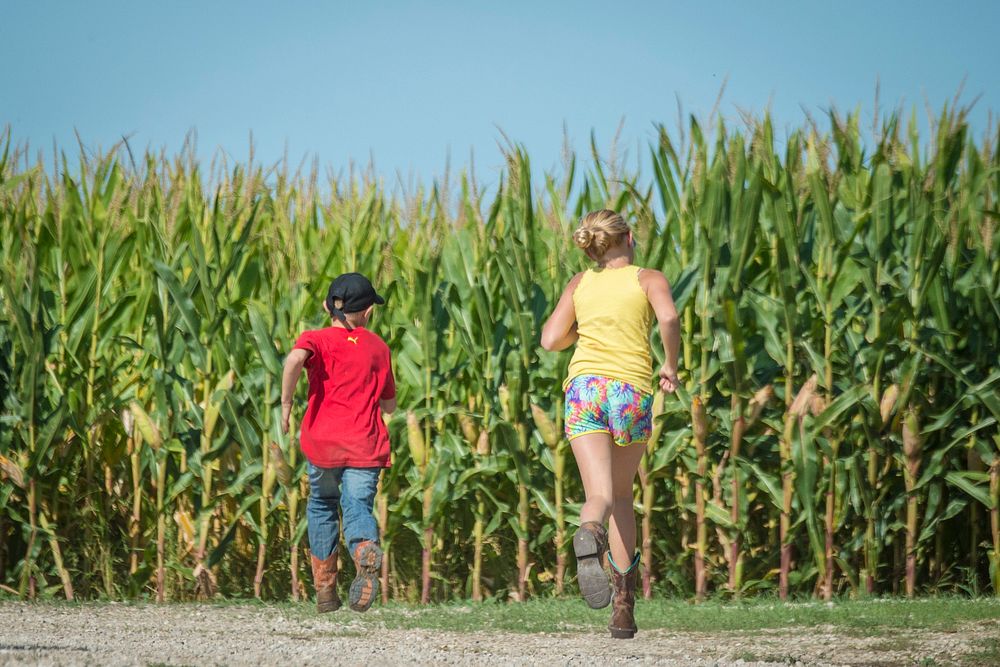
{"type": "Point", "coordinates": [289, 376]}
{"type": "Point", "coordinates": [286, 415]}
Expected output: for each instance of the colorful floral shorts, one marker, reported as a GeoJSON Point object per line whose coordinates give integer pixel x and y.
{"type": "Point", "coordinates": [598, 404]}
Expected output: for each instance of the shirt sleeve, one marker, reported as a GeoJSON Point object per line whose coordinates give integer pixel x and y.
{"type": "Point", "coordinates": [389, 390]}
{"type": "Point", "coordinates": [307, 342]}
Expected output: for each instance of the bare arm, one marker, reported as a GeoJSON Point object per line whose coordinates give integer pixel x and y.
{"type": "Point", "coordinates": [658, 292]}
{"type": "Point", "coordinates": [559, 331]}
{"type": "Point", "coordinates": [289, 378]}
{"type": "Point", "coordinates": [388, 405]}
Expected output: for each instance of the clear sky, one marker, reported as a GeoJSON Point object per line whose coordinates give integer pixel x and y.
{"type": "Point", "coordinates": [407, 83]}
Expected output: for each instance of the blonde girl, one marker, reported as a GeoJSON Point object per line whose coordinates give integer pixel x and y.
{"type": "Point", "coordinates": [607, 312]}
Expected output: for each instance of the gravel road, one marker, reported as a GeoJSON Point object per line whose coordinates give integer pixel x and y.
{"type": "Point", "coordinates": [118, 634]}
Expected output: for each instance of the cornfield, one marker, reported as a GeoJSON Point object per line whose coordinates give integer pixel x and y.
{"type": "Point", "coordinates": [837, 432]}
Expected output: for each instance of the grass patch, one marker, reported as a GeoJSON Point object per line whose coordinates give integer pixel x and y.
{"type": "Point", "coordinates": [862, 618]}
{"type": "Point", "coordinates": [987, 653]}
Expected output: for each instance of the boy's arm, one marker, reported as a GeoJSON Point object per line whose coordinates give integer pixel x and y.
{"type": "Point", "coordinates": [387, 401]}
{"type": "Point", "coordinates": [289, 378]}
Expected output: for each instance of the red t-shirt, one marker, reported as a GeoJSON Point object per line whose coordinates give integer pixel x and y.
{"type": "Point", "coordinates": [349, 372]}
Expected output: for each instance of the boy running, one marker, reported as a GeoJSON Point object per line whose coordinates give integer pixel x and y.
{"type": "Point", "coordinates": [343, 436]}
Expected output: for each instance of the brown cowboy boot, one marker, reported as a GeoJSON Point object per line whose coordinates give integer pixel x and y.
{"type": "Point", "coordinates": [325, 583]}
{"type": "Point", "coordinates": [364, 588]}
{"type": "Point", "coordinates": [589, 544]}
{"type": "Point", "coordinates": [622, 625]}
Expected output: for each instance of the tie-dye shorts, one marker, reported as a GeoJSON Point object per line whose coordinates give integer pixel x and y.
{"type": "Point", "coordinates": [598, 404]}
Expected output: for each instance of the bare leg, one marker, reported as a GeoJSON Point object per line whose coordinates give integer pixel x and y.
{"type": "Point", "coordinates": [621, 536]}
{"type": "Point", "coordinates": [590, 543]}
{"type": "Point", "coordinates": [593, 453]}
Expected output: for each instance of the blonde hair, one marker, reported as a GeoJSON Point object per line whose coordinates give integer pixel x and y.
{"type": "Point", "coordinates": [599, 231]}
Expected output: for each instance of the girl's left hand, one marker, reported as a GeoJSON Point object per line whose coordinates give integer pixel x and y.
{"type": "Point", "coordinates": [668, 379]}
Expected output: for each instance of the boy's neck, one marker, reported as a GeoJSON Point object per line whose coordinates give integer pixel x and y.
{"type": "Point", "coordinates": [337, 324]}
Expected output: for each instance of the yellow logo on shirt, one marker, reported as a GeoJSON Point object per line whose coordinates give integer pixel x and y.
{"type": "Point", "coordinates": [353, 339]}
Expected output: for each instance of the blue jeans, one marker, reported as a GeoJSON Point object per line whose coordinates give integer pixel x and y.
{"type": "Point", "coordinates": [350, 490]}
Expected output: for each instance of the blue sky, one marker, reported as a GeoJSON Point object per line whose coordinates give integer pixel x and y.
{"type": "Point", "coordinates": [408, 83]}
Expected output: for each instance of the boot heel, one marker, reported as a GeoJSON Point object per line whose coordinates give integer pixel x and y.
{"type": "Point", "coordinates": [364, 588]}
{"type": "Point", "coordinates": [585, 544]}
{"type": "Point", "coordinates": [589, 545]}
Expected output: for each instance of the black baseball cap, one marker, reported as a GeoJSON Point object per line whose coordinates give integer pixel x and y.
{"type": "Point", "coordinates": [354, 292]}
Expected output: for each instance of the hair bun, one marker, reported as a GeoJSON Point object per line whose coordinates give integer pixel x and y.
{"type": "Point", "coordinates": [583, 237]}
{"type": "Point", "coordinates": [600, 230]}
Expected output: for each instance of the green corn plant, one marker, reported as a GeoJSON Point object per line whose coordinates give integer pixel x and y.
{"type": "Point", "coordinates": [420, 455]}
{"type": "Point", "coordinates": [656, 464]}
{"type": "Point", "coordinates": [40, 411]}
{"type": "Point", "coordinates": [155, 281]}
{"type": "Point", "coordinates": [552, 437]}
{"type": "Point", "coordinates": [477, 440]}
{"type": "Point", "coordinates": [264, 343]}
{"type": "Point", "coordinates": [150, 434]}
{"type": "Point", "coordinates": [700, 429]}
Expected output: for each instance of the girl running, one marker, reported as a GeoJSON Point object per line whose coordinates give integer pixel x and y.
{"type": "Point", "coordinates": [607, 311]}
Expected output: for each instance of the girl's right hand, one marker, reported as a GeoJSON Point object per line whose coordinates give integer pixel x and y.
{"type": "Point", "coordinates": [668, 379]}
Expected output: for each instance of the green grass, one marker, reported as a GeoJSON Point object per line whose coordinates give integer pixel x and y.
{"type": "Point", "coordinates": [863, 618]}
{"type": "Point", "coordinates": [987, 653]}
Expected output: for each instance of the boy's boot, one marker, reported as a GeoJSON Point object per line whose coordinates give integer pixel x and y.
{"type": "Point", "coordinates": [590, 543]}
{"type": "Point", "coordinates": [368, 563]}
{"type": "Point", "coordinates": [622, 625]}
{"type": "Point", "coordinates": [325, 582]}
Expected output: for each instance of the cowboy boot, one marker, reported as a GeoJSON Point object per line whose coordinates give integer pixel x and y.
{"type": "Point", "coordinates": [589, 544]}
{"type": "Point", "coordinates": [325, 582]}
{"type": "Point", "coordinates": [622, 625]}
{"type": "Point", "coordinates": [364, 588]}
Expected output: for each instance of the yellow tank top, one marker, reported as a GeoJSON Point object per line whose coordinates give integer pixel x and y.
{"type": "Point", "coordinates": [613, 320]}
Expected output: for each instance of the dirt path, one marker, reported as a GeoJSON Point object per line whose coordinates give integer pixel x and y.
{"type": "Point", "coordinates": [112, 634]}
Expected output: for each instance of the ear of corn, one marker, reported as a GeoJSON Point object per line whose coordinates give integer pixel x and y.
{"type": "Point", "coordinates": [415, 440]}
{"type": "Point", "coordinates": [12, 471]}
{"type": "Point", "coordinates": [888, 403]}
{"type": "Point", "coordinates": [654, 436]}
{"type": "Point", "coordinates": [550, 434]}
{"type": "Point", "coordinates": [282, 471]}
{"type": "Point", "coordinates": [912, 444]}
{"type": "Point", "coordinates": [803, 402]}
{"type": "Point", "coordinates": [483, 443]}
{"type": "Point", "coordinates": [469, 430]}
{"type": "Point", "coordinates": [213, 403]}
{"type": "Point", "coordinates": [699, 421]}
{"type": "Point", "coordinates": [147, 427]}
{"type": "Point", "coordinates": [913, 453]}
{"type": "Point", "coordinates": [759, 402]}
{"type": "Point", "coordinates": [503, 393]}
{"type": "Point", "coordinates": [186, 529]}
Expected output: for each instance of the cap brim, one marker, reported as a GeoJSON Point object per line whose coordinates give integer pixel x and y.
{"type": "Point", "coordinates": [379, 300]}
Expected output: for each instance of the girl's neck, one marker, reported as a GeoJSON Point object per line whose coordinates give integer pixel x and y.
{"type": "Point", "coordinates": [614, 260]}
